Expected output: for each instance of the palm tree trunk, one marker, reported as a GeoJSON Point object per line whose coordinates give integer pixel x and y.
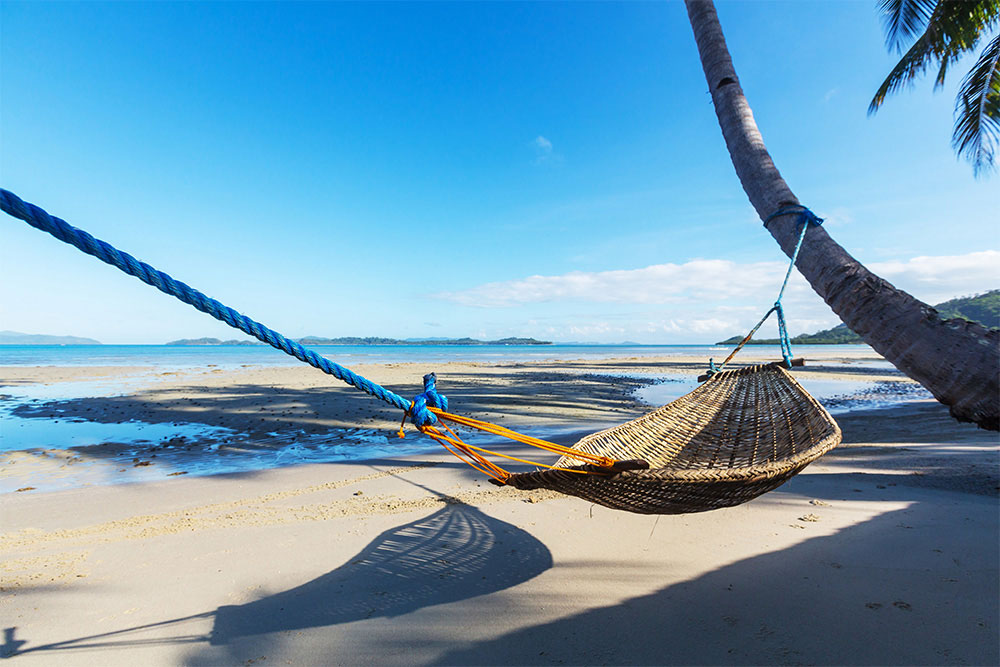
{"type": "Point", "coordinates": [956, 360]}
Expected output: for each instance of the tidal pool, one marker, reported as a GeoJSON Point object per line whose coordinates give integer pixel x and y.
{"type": "Point", "coordinates": [838, 395]}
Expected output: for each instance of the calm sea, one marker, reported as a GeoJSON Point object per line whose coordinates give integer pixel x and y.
{"type": "Point", "coordinates": [236, 355]}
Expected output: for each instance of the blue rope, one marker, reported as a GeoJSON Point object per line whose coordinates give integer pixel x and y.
{"type": "Point", "coordinates": [786, 343]}
{"type": "Point", "coordinates": [429, 398]}
{"type": "Point", "coordinates": [806, 218]}
{"type": "Point", "coordinates": [39, 219]}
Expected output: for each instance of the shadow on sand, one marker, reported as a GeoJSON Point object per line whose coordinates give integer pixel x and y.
{"type": "Point", "coordinates": [913, 586]}
{"type": "Point", "coordinates": [916, 585]}
{"type": "Point", "coordinates": [456, 553]}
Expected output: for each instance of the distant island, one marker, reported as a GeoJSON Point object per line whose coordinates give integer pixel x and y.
{"type": "Point", "coordinates": [983, 308]}
{"type": "Point", "coordinates": [374, 340]}
{"type": "Point", "coordinates": [18, 338]}
{"type": "Point", "coordinates": [369, 340]}
{"type": "Point", "coordinates": [212, 341]}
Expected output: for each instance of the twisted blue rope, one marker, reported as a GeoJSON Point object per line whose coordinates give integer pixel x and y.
{"type": "Point", "coordinates": [806, 218]}
{"type": "Point", "coordinates": [62, 230]}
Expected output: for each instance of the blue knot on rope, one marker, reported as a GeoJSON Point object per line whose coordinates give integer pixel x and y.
{"type": "Point", "coordinates": [419, 414]}
{"type": "Point", "coordinates": [805, 215]}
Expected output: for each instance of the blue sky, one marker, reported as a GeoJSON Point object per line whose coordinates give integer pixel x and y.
{"type": "Point", "coordinates": [409, 170]}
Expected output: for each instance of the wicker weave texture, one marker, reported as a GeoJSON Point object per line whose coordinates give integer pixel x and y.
{"type": "Point", "coordinates": [738, 435]}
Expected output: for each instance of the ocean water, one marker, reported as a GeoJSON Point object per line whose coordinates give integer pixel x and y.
{"type": "Point", "coordinates": [223, 356]}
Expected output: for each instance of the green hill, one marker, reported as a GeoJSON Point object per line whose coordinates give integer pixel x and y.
{"type": "Point", "coordinates": [211, 341]}
{"type": "Point", "coordinates": [983, 308]}
{"type": "Point", "coordinates": [374, 340]}
{"type": "Point", "coordinates": [367, 340]}
{"type": "Point", "coordinates": [18, 338]}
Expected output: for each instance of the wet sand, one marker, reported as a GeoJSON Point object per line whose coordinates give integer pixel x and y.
{"type": "Point", "coordinates": [883, 552]}
{"type": "Point", "coordinates": [108, 425]}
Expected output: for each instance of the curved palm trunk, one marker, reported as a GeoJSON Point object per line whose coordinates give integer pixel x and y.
{"type": "Point", "coordinates": [956, 360]}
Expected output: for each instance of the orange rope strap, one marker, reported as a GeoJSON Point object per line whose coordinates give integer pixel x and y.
{"type": "Point", "coordinates": [473, 455]}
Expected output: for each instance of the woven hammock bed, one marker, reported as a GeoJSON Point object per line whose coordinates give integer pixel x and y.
{"type": "Point", "coordinates": [742, 433]}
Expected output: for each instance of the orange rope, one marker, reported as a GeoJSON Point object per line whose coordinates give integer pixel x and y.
{"type": "Point", "coordinates": [455, 440]}
{"type": "Point", "coordinates": [473, 456]}
{"type": "Point", "coordinates": [525, 439]}
{"type": "Point", "coordinates": [484, 466]}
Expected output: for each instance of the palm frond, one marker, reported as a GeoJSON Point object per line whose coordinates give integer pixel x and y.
{"type": "Point", "coordinates": [977, 111]}
{"type": "Point", "coordinates": [913, 63]}
{"type": "Point", "coordinates": [904, 19]}
{"type": "Point", "coordinates": [953, 28]}
{"type": "Point", "coordinates": [960, 26]}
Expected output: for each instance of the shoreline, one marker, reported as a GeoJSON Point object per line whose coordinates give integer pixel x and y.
{"type": "Point", "coordinates": [139, 424]}
{"type": "Point", "coordinates": [27, 356]}
{"type": "Point", "coordinates": [145, 423]}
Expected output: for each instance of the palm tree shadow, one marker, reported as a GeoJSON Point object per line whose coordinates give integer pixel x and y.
{"type": "Point", "coordinates": [454, 554]}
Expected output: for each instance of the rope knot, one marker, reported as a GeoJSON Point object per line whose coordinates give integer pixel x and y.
{"type": "Point", "coordinates": [429, 398]}
{"type": "Point", "coordinates": [805, 215]}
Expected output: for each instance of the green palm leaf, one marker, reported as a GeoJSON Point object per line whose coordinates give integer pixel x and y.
{"type": "Point", "coordinates": [977, 111]}
{"type": "Point", "coordinates": [904, 19]}
{"type": "Point", "coordinates": [952, 29]}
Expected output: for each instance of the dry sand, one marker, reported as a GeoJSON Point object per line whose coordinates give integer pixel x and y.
{"type": "Point", "coordinates": [883, 552]}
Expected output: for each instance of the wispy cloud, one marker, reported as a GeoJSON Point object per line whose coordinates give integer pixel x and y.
{"type": "Point", "coordinates": [699, 279]}
{"type": "Point", "coordinates": [706, 280]}
{"type": "Point", "coordinates": [544, 151]}
{"type": "Point", "coordinates": [838, 216]}
{"type": "Point", "coordinates": [703, 299]}
{"type": "Point", "coordinates": [939, 278]}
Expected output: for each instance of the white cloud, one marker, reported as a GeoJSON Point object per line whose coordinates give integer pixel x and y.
{"type": "Point", "coordinates": [544, 151]}
{"type": "Point", "coordinates": [700, 300]}
{"type": "Point", "coordinates": [837, 217]}
{"type": "Point", "coordinates": [595, 329]}
{"type": "Point", "coordinates": [936, 279]}
{"type": "Point", "coordinates": [710, 325]}
{"type": "Point", "coordinates": [699, 279]}
{"type": "Point", "coordinates": [932, 279]}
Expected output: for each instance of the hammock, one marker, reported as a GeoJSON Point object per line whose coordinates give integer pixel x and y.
{"type": "Point", "coordinates": [742, 433]}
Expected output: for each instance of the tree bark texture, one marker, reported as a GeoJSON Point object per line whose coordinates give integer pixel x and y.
{"type": "Point", "coordinates": [956, 360]}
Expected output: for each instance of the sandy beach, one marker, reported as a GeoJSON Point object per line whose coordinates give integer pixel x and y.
{"type": "Point", "coordinates": [885, 551]}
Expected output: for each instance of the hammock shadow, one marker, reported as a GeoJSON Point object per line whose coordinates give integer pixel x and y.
{"type": "Point", "coordinates": [454, 554]}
